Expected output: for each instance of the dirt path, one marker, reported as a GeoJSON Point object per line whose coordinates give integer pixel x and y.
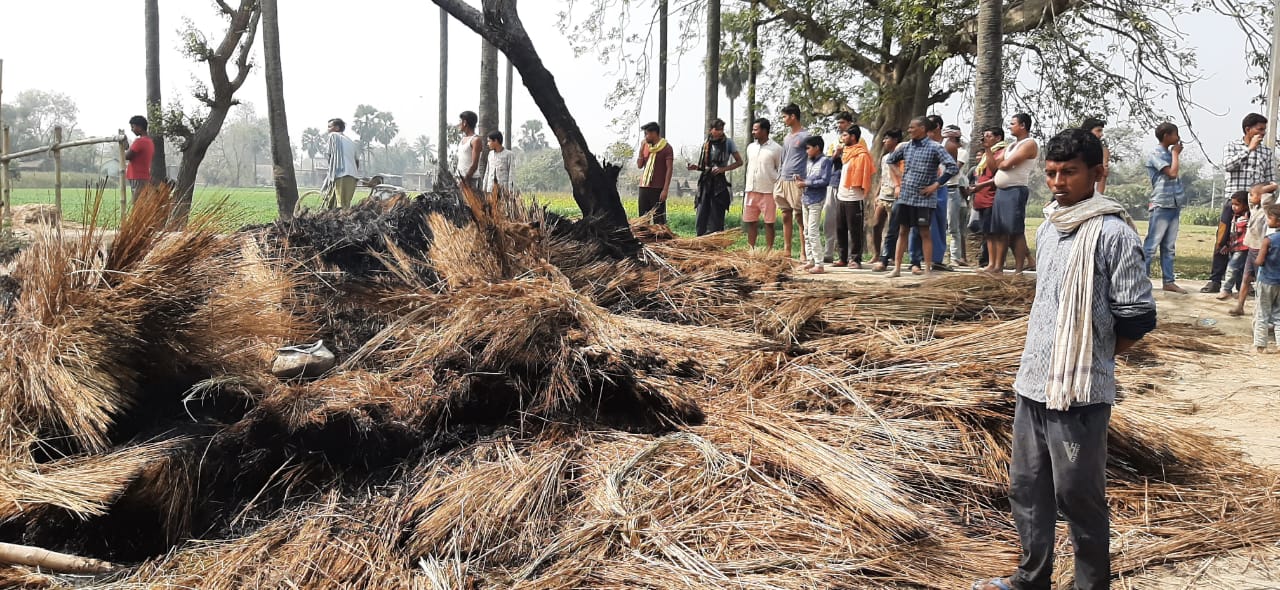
{"type": "Point", "coordinates": [1236, 395]}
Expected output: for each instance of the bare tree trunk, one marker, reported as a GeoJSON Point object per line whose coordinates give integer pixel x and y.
{"type": "Point", "coordinates": [711, 101]}
{"type": "Point", "coordinates": [753, 48]}
{"type": "Point", "coordinates": [488, 103]}
{"type": "Point", "coordinates": [281, 150]}
{"type": "Point", "coordinates": [595, 192]}
{"type": "Point", "coordinates": [663, 13]}
{"type": "Point", "coordinates": [506, 105]}
{"type": "Point", "coordinates": [159, 168]}
{"type": "Point", "coordinates": [442, 135]}
{"type": "Point", "coordinates": [988, 78]}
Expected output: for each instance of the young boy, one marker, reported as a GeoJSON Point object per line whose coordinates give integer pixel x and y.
{"type": "Point", "coordinates": [1235, 247]}
{"type": "Point", "coordinates": [500, 166]}
{"type": "Point", "coordinates": [1267, 316]}
{"type": "Point", "coordinates": [890, 183]}
{"type": "Point", "coordinates": [920, 184]}
{"type": "Point", "coordinates": [789, 193]}
{"type": "Point", "coordinates": [1261, 195]}
{"type": "Point", "coordinates": [817, 176]}
{"type": "Point", "coordinates": [1066, 381]}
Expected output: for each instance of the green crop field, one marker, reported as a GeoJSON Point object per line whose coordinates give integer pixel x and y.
{"type": "Point", "coordinates": [257, 205]}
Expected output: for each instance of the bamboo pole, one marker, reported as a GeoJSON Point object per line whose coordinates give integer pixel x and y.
{"type": "Point", "coordinates": [57, 179]}
{"type": "Point", "coordinates": [124, 184]}
{"type": "Point", "coordinates": [1273, 83]}
{"type": "Point", "coordinates": [52, 561]}
{"type": "Point", "coordinates": [70, 144]}
{"type": "Point", "coordinates": [4, 175]}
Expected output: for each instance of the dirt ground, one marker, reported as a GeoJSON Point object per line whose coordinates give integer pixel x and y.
{"type": "Point", "coordinates": [1234, 395]}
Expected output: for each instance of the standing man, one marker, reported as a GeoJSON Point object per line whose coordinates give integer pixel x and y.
{"type": "Point", "coordinates": [1009, 213]}
{"type": "Point", "coordinates": [790, 192]}
{"type": "Point", "coordinates": [340, 181]}
{"type": "Point", "coordinates": [1095, 125]}
{"type": "Point", "coordinates": [831, 207]}
{"type": "Point", "coordinates": [857, 168]}
{"type": "Point", "coordinates": [1247, 163]}
{"type": "Point", "coordinates": [1167, 200]}
{"type": "Point", "coordinates": [890, 184]}
{"type": "Point", "coordinates": [713, 199]}
{"type": "Point", "coordinates": [499, 167]}
{"type": "Point", "coordinates": [920, 183]}
{"type": "Point", "coordinates": [1093, 301]}
{"type": "Point", "coordinates": [468, 152]}
{"type": "Point", "coordinates": [138, 156]}
{"type": "Point", "coordinates": [958, 210]}
{"type": "Point", "coordinates": [657, 161]}
{"type": "Point", "coordinates": [764, 165]}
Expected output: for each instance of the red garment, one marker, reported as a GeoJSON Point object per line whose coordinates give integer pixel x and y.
{"type": "Point", "coordinates": [1239, 227]}
{"type": "Point", "coordinates": [986, 197]}
{"type": "Point", "coordinates": [139, 167]}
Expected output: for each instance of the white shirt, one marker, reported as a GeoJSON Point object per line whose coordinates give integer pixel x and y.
{"type": "Point", "coordinates": [764, 166]}
{"type": "Point", "coordinates": [499, 170]}
{"type": "Point", "coordinates": [464, 154]}
{"type": "Point", "coordinates": [342, 157]}
{"type": "Point", "coordinates": [853, 194]}
{"type": "Point", "coordinates": [1021, 174]}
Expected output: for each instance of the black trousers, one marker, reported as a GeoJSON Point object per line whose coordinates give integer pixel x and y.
{"type": "Point", "coordinates": [712, 205]}
{"type": "Point", "coordinates": [651, 199]}
{"type": "Point", "coordinates": [849, 227]}
{"type": "Point", "coordinates": [1060, 465]}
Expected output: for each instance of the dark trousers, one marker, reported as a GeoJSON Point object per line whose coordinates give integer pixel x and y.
{"type": "Point", "coordinates": [1219, 270]}
{"type": "Point", "coordinates": [1060, 465]}
{"type": "Point", "coordinates": [710, 218]}
{"type": "Point", "coordinates": [712, 205]}
{"type": "Point", "coordinates": [890, 247]}
{"type": "Point", "coordinates": [650, 199]}
{"type": "Point", "coordinates": [849, 227]}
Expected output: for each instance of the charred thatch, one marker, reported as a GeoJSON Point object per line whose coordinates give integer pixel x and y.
{"type": "Point", "coordinates": [524, 402]}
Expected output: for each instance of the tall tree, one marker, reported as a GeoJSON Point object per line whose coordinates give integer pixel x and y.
{"type": "Point", "coordinates": [282, 172]}
{"type": "Point", "coordinates": [663, 14]}
{"type": "Point", "coordinates": [711, 99]}
{"type": "Point", "coordinates": [595, 192]}
{"type": "Point", "coordinates": [312, 143]}
{"type": "Point", "coordinates": [488, 101]}
{"type": "Point", "coordinates": [442, 129]}
{"type": "Point", "coordinates": [988, 80]}
{"type": "Point", "coordinates": [196, 132]}
{"type": "Point", "coordinates": [531, 137]}
{"type": "Point", "coordinates": [507, 107]}
{"type": "Point", "coordinates": [151, 16]}
{"type": "Point", "coordinates": [423, 148]}
{"type": "Point", "coordinates": [753, 61]}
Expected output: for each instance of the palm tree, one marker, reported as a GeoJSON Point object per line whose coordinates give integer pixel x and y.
{"type": "Point", "coordinates": [442, 129]}
{"type": "Point", "coordinates": [423, 148]}
{"type": "Point", "coordinates": [488, 100]}
{"type": "Point", "coordinates": [281, 150]}
{"type": "Point", "coordinates": [662, 64]}
{"type": "Point", "coordinates": [387, 129]}
{"type": "Point", "coordinates": [733, 75]}
{"type": "Point", "coordinates": [988, 79]}
{"type": "Point", "coordinates": [312, 143]}
{"type": "Point", "coordinates": [712, 88]}
{"type": "Point", "coordinates": [159, 168]}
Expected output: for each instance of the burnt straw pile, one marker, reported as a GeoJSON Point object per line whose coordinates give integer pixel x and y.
{"type": "Point", "coordinates": [523, 401]}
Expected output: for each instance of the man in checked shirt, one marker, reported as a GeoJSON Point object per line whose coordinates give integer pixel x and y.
{"type": "Point", "coordinates": [1248, 162]}
{"type": "Point", "coordinates": [920, 182]}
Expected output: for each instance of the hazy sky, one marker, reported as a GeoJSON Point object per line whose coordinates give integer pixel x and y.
{"type": "Point", "coordinates": [338, 54]}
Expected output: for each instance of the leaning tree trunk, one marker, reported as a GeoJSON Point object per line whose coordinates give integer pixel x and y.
{"type": "Point", "coordinates": [155, 114]}
{"type": "Point", "coordinates": [488, 103]}
{"type": "Point", "coordinates": [711, 100]}
{"type": "Point", "coordinates": [662, 64]}
{"type": "Point", "coordinates": [594, 192]}
{"type": "Point", "coordinates": [988, 78]}
{"type": "Point", "coordinates": [281, 150]}
{"type": "Point", "coordinates": [442, 131]}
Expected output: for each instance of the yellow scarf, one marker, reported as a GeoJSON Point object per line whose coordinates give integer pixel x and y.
{"type": "Point", "coordinates": [647, 177]}
{"type": "Point", "coordinates": [986, 158]}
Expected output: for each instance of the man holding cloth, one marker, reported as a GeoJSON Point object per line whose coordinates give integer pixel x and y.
{"type": "Point", "coordinates": [713, 197]}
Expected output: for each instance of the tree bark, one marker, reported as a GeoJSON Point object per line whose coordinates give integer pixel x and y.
{"type": "Point", "coordinates": [988, 83]}
{"type": "Point", "coordinates": [281, 151]}
{"type": "Point", "coordinates": [442, 135]}
{"type": "Point", "coordinates": [488, 102]}
{"type": "Point", "coordinates": [506, 105]}
{"type": "Point", "coordinates": [159, 167]}
{"type": "Point", "coordinates": [753, 48]}
{"type": "Point", "coordinates": [595, 193]}
{"type": "Point", "coordinates": [235, 48]}
{"type": "Point", "coordinates": [663, 13]}
{"type": "Point", "coordinates": [711, 100]}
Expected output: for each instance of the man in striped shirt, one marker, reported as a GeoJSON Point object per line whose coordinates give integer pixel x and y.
{"type": "Point", "coordinates": [920, 183]}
